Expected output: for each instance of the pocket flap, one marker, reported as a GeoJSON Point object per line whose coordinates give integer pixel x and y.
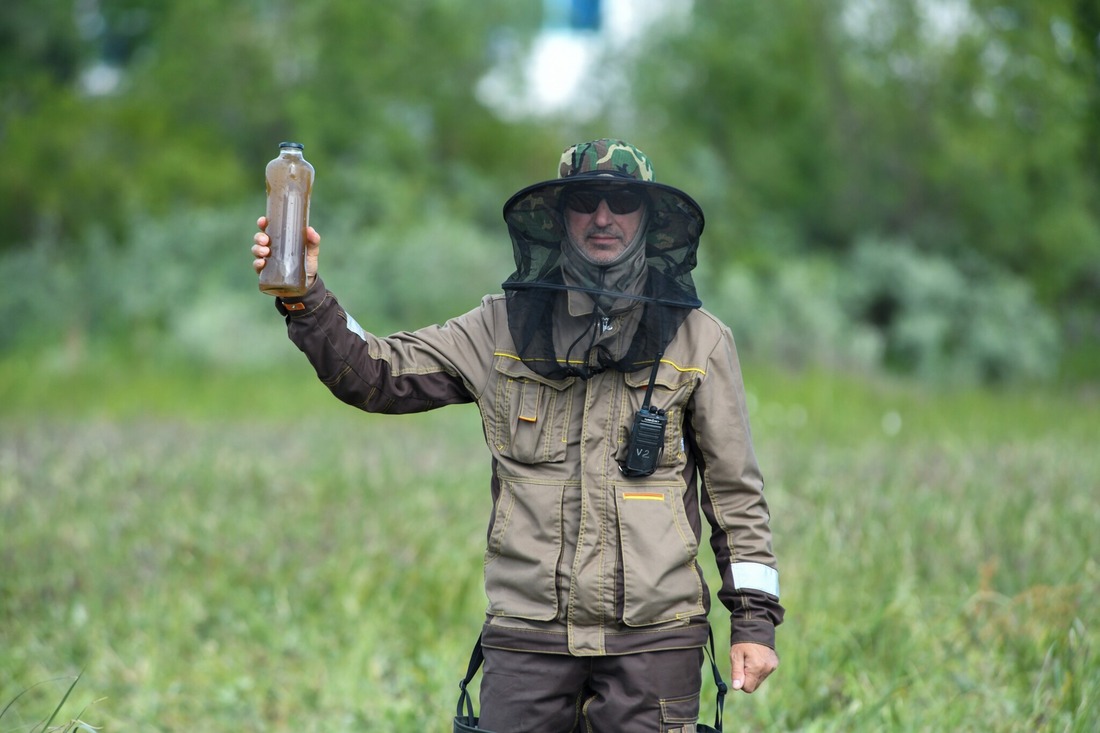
{"type": "Point", "coordinates": [516, 369]}
{"type": "Point", "coordinates": [680, 711]}
{"type": "Point", "coordinates": [669, 376]}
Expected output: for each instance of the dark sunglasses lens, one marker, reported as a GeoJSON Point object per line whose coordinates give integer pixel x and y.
{"type": "Point", "coordinates": [624, 202]}
{"type": "Point", "coordinates": [620, 202]}
{"type": "Point", "coordinates": [583, 201]}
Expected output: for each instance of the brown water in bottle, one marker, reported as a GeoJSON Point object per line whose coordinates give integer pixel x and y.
{"type": "Point", "coordinates": [289, 184]}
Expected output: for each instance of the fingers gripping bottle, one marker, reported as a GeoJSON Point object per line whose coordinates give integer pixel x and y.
{"type": "Point", "coordinates": [289, 183]}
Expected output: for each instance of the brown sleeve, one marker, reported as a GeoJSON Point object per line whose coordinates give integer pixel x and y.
{"type": "Point", "coordinates": [733, 500]}
{"type": "Point", "coordinates": [406, 372]}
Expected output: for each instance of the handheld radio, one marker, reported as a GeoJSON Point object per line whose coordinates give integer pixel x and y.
{"type": "Point", "coordinates": [647, 435]}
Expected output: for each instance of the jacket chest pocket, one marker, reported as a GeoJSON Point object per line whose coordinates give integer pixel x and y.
{"type": "Point", "coordinates": [528, 419]}
{"type": "Point", "coordinates": [671, 392]}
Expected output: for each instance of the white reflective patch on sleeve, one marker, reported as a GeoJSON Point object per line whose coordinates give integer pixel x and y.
{"type": "Point", "coordinates": [355, 328]}
{"type": "Point", "coordinates": [756, 576]}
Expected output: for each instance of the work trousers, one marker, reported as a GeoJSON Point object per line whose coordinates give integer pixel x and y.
{"type": "Point", "coordinates": [648, 692]}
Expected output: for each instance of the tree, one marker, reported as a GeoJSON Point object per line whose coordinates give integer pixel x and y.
{"type": "Point", "coordinates": [382, 92]}
{"type": "Point", "coordinates": [818, 123]}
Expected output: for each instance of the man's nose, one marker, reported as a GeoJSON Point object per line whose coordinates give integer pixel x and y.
{"type": "Point", "coordinates": [602, 215]}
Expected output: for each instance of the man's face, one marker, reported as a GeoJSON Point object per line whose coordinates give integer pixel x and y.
{"type": "Point", "coordinates": [603, 220]}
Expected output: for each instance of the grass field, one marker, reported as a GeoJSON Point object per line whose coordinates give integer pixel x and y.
{"type": "Point", "coordinates": [218, 552]}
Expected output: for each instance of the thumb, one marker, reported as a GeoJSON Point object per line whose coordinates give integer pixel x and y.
{"type": "Point", "coordinates": [737, 668]}
{"type": "Point", "coordinates": [313, 248]}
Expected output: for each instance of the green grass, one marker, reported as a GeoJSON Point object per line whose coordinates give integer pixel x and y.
{"type": "Point", "coordinates": [224, 551]}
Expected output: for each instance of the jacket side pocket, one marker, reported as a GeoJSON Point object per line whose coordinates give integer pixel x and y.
{"type": "Point", "coordinates": [525, 542]}
{"type": "Point", "coordinates": [661, 580]}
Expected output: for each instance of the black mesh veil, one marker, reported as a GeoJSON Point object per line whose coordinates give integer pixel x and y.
{"type": "Point", "coordinates": [555, 342]}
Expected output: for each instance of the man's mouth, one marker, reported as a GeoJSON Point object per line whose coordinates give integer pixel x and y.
{"type": "Point", "coordinates": [603, 237]}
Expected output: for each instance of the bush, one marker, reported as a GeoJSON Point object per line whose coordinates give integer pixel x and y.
{"type": "Point", "coordinates": [887, 305]}
{"type": "Point", "coordinates": [181, 287]}
{"type": "Point", "coordinates": [939, 321]}
{"type": "Point", "coordinates": [394, 277]}
{"type": "Point", "coordinates": [138, 294]}
{"type": "Point", "coordinates": [793, 315]}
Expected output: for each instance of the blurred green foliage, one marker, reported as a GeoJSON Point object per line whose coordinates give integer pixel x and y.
{"type": "Point", "coordinates": [884, 304]}
{"type": "Point", "coordinates": [206, 90]}
{"type": "Point", "coordinates": [966, 131]}
{"type": "Point", "coordinates": [960, 136]}
{"type": "Point", "coordinates": [968, 135]}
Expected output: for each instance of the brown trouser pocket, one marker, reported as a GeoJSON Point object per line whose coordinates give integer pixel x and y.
{"type": "Point", "coordinates": [679, 715]}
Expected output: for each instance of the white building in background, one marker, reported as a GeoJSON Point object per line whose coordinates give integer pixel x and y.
{"type": "Point", "coordinates": [575, 33]}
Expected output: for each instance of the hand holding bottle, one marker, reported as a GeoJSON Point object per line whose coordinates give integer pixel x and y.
{"type": "Point", "coordinates": [261, 250]}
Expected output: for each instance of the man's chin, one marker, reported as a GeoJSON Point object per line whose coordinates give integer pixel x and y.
{"type": "Point", "coordinates": [602, 254]}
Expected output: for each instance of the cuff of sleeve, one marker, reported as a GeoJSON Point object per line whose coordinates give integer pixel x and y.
{"type": "Point", "coordinates": [301, 305]}
{"type": "Point", "coordinates": [753, 630]}
{"type": "Point", "coordinates": [754, 616]}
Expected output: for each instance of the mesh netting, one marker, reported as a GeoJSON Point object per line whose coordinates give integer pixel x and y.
{"type": "Point", "coordinates": [561, 329]}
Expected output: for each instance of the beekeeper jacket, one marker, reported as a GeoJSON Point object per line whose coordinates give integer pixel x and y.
{"type": "Point", "coordinates": [581, 559]}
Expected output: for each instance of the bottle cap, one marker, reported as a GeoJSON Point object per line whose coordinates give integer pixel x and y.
{"type": "Point", "coordinates": [299, 146]}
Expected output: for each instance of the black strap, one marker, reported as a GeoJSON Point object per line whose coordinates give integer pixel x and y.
{"type": "Point", "coordinates": [652, 380]}
{"type": "Point", "coordinates": [477, 656]}
{"type": "Point", "coordinates": [718, 682]}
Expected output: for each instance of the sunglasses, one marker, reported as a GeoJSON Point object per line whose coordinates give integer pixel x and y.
{"type": "Point", "coordinates": [619, 200]}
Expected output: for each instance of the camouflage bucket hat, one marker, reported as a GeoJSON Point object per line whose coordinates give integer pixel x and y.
{"type": "Point", "coordinates": [605, 158]}
{"type": "Point", "coordinates": [534, 214]}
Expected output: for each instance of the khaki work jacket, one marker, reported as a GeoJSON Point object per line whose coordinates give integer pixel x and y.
{"type": "Point", "coordinates": [581, 559]}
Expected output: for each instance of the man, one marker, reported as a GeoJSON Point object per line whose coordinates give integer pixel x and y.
{"type": "Point", "coordinates": [614, 412]}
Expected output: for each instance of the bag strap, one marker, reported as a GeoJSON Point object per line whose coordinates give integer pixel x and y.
{"type": "Point", "coordinates": [477, 656]}
{"type": "Point", "coordinates": [718, 682]}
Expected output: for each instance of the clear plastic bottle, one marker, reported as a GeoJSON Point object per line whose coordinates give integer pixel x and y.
{"type": "Point", "coordinates": [289, 184]}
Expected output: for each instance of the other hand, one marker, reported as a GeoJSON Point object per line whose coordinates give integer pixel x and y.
{"type": "Point", "coordinates": [750, 665]}
{"type": "Point", "coordinates": [261, 250]}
